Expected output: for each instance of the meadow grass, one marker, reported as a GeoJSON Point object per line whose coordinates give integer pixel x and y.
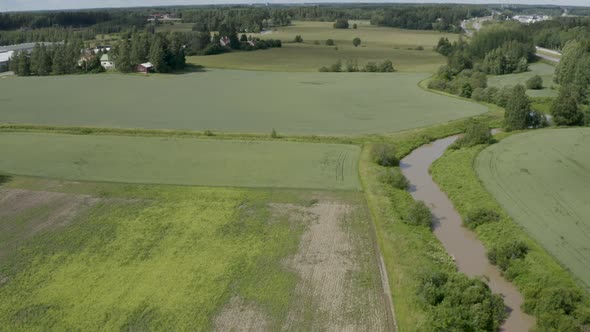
{"type": "Point", "coordinates": [147, 257]}
{"type": "Point", "coordinates": [183, 161]}
{"type": "Point", "coordinates": [233, 101]}
{"type": "Point", "coordinates": [542, 180]}
{"type": "Point", "coordinates": [378, 44]}
{"type": "Point", "coordinates": [544, 70]}
{"type": "Point", "coordinates": [307, 57]}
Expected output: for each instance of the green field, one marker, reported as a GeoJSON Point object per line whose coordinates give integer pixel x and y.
{"type": "Point", "coordinates": [237, 101]}
{"type": "Point", "coordinates": [542, 179]}
{"type": "Point", "coordinates": [83, 256]}
{"type": "Point", "coordinates": [378, 44]}
{"type": "Point", "coordinates": [182, 161]}
{"type": "Point", "coordinates": [544, 70]}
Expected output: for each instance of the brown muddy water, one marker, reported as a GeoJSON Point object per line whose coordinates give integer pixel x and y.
{"type": "Point", "coordinates": [461, 243]}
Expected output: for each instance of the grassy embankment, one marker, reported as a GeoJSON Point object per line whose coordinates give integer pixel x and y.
{"type": "Point", "coordinates": [550, 292]}
{"type": "Point", "coordinates": [378, 44]}
{"type": "Point", "coordinates": [408, 251]}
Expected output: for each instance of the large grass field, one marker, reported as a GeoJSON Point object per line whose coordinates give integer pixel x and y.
{"type": "Point", "coordinates": [236, 101]}
{"type": "Point", "coordinates": [183, 161]}
{"type": "Point", "coordinates": [542, 179]}
{"type": "Point", "coordinates": [87, 257]}
{"type": "Point", "coordinates": [542, 69]}
{"type": "Point", "coordinates": [378, 44]}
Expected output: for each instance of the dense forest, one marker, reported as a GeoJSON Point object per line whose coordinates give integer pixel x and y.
{"type": "Point", "coordinates": [58, 26]}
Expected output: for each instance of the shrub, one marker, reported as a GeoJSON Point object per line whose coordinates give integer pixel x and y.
{"type": "Point", "coordinates": [481, 216]}
{"type": "Point", "coordinates": [355, 26]}
{"type": "Point", "coordinates": [298, 39]}
{"type": "Point", "coordinates": [273, 134]}
{"type": "Point", "coordinates": [419, 48]}
{"type": "Point", "coordinates": [341, 24]}
{"type": "Point", "coordinates": [208, 133]}
{"type": "Point", "coordinates": [386, 67]}
{"type": "Point", "coordinates": [317, 42]}
{"type": "Point", "coordinates": [534, 83]}
{"type": "Point", "coordinates": [384, 155]}
{"type": "Point", "coordinates": [243, 38]}
{"type": "Point", "coordinates": [352, 66]}
{"type": "Point", "coordinates": [490, 94]}
{"type": "Point", "coordinates": [324, 69]}
{"type": "Point", "coordinates": [503, 254]}
{"type": "Point", "coordinates": [371, 67]}
{"type": "Point", "coordinates": [356, 42]}
{"type": "Point", "coordinates": [476, 133]}
{"type": "Point", "coordinates": [330, 42]}
{"type": "Point", "coordinates": [437, 84]}
{"type": "Point", "coordinates": [336, 67]}
{"type": "Point", "coordinates": [394, 178]}
{"type": "Point", "coordinates": [419, 215]}
{"type": "Point", "coordinates": [478, 94]}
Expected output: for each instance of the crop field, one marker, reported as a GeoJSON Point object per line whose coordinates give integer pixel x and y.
{"type": "Point", "coordinates": [182, 161]}
{"type": "Point", "coordinates": [74, 256]}
{"type": "Point", "coordinates": [378, 44]}
{"type": "Point", "coordinates": [544, 70]}
{"type": "Point", "coordinates": [236, 101]}
{"type": "Point", "coordinates": [307, 57]}
{"type": "Point", "coordinates": [542, 179]}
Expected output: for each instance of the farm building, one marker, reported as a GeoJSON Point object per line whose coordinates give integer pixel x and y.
{"type": "Point", "coordinates": [4, 59]}
{"type": "Point", "coordinates": [224, 41]}
{"type": "Point", "coordinates": [23, 47]}
{"type": "Point", "coordinates": [107, 62]}
{"type": "Point", "coordinates": [144, 68]}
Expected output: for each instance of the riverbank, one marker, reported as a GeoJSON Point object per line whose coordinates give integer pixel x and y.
{"type": "Point", "coordinates": [468, 252]}
{"type": "Point", "coordinates": [550, 293]}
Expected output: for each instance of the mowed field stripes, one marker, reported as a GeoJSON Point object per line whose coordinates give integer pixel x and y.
{"type": "Point", "coordinates": [182, 161]}
{"type": "Point", "coordinates": [542, 179]}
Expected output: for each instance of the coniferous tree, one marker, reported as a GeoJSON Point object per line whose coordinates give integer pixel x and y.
{"type": "Point", "coordinates": [13, 63]}
{"type": "Point", "coordinates": [157, 55]}
{"type": "Point", "coordinates": [139, 48]}
{"type": "Point", "coordinates": [59, 64]}
{"type": "Point", "coordinates": [24, 66]}
{"type": "Point", "coordinates": [123, 60]}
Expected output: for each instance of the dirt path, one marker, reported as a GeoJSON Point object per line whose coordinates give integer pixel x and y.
{"type": "Point", "coordinates": [459, 242]}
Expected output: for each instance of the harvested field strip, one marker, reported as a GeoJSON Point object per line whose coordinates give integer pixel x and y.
{"type": "Point", "coordinates": [181, 161]}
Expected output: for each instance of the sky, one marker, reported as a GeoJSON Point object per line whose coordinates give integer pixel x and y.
{"type": "Point", "coordinates": [20, 5]}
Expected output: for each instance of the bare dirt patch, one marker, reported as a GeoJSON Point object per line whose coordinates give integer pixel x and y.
{"type": "Point", "coordinates": [25, 213]}
{"type": "Point", "coordinates": [240, 316]}
{"type": "Point", "coordinates": [325, 262]}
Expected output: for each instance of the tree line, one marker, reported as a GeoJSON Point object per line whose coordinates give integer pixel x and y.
{"type": "Point", "coordinates": [428, 17]}
{"type": "Point", "coordinates": [166, 51]}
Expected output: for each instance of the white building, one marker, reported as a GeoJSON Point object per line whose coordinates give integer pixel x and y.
{"type": "Point", "coordinates": [107, 62]}
{"type": "Point", "coordinates": [4, 59]}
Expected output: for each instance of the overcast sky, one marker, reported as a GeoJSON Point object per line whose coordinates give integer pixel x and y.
{"type": "Point", "coordinates": [15, 5]}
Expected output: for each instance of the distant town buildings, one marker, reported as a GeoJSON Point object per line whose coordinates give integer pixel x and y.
{"type": "Point", "coordinates": [528, 19]}
{"type": "Point", "coordinates": [163, 18]}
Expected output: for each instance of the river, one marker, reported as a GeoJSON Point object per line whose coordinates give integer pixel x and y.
{"type": "Point", "coordinates": [461, 243]}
